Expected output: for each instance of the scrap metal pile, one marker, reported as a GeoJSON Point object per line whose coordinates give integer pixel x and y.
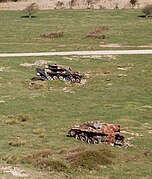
{"type": "Point", "coordinates": [58, 72]}
{"type": "Point", "coordinates": [97, 132]}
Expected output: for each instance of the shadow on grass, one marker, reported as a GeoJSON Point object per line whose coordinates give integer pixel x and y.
{"type": "Point", "coordinates": [144, 16]}
{"type": "Point", "coordinates": [28, 17]}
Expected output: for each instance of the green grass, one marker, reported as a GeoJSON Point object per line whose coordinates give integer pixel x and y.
{"type": "Point", "coordinates": [36, 120]}
{"type": "Point", "coordinates": [20, 34]}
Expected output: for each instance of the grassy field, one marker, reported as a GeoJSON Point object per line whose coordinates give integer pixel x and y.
{"type": "Point", "coordinates": [21, 34]}
{"type": "Point", "coordinates": [35, 117]}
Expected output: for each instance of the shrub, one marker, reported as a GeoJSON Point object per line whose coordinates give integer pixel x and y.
{"type": "Point", "coordinates": [147, 10]}
{"type": "Point", "coordinates": [59, 5]}
{"type": "Point", "coordinates": [98, 33]}
{"type": "Point", "coordinates": [31, 9]}
{"type": "Point", "coordinates": [133, 2]}
{"type": "Point", "coordinates": [72, 3]}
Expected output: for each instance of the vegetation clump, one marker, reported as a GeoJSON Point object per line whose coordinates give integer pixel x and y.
{"type": "Point", "coordinates": [52, 35]}
{"type": "Point", "coordinates": [31, 9]}
{"type": "Point", "coordinates": [133, 2]}
{"type": "Point", "coordinates": [18, 119]}
{"type": "Point", "coordinates": [147, 10]}
{"type": "Point", "coordinates": [43, 159]}
{"type": "Point", "coordinates": [98, 33]}
{"type": "Point", "coordinates": [59, 5]}
{"type": "Point", "coordinates": [38, 85]}
{"type": "Point", "coordinates": [51, 165]}
{"type": "Point", "coordinates": [17, 142]}
{"type": "Point", "coordinates": [40, 132]}
{"type": "Point", "coordinates": [90, 159]}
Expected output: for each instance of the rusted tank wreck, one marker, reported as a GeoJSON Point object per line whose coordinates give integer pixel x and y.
{"type": "Point", "coordinates": [97, 132]}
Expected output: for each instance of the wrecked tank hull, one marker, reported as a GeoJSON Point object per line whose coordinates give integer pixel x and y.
{"type": "Point", "coordinates": [55, 72]}
{"type": "Point", "coordinates": [95, 134]}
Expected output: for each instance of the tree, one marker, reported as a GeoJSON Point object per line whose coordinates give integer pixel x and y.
{"type": "Point", "coordinates": [147, 10]}
{"type": "Point", "coordinates": [31, 9]}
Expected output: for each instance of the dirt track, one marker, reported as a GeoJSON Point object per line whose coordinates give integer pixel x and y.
{"type": "Point", "coordinates": [104, 52]}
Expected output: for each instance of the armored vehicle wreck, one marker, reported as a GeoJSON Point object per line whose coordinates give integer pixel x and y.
{"type": "Point", "coordinates": [97, 132]}
{"type": "Point", "coordinates": [58, 72]}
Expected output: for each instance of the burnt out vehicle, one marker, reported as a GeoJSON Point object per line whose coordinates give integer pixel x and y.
{"type": "Point", "coordinates": [97, 132]}
{"type": "Point", "coordinates": [58, 72]}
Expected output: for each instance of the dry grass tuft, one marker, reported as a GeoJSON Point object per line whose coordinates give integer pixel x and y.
{"type": "Point", "coordinates": [52, 35]}
{"type": "Point", "coordinates": [100, 29]}
{"type": "Point", "coordinates": [40, 132]}
{"type": "Point", "coordinates": [17, 142]}
{"type": "Point", "coordinates": [51, 165]}
{"type": "Point", "coordinates": [95, 36]}
{"type": "Point", "coordinates": [12, 159]}
{"type": "Point", "coordinates": [18, 119]}
{"type": "Point", "coordinates": [38, 85]}
{"type": "Point", "coordinates": [98, 33]}
{"type": "Point", "coordinates": [44, 159]}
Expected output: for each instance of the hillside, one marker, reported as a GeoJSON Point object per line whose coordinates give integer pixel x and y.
{"type": "Point", "coordinates": [75, 4]}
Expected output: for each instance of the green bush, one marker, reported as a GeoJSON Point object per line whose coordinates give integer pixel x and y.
{"type": "Point", "coordinates": [147, 10]}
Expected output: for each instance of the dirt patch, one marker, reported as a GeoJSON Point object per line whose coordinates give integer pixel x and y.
{"type": "Point", "coordinates": [4, 69]}
{"type": "Point", "coordinates": [2, 101]}
{"type": "Point", "coordinates": [147, 106]}
{"type": "Point", "coordinates": [15, 171]}
{"type": "Point", "coordinates": [65, 89]}
{"type": "Point", "coordinates": [9, 172]}
{"type": "Point", "coordinates": [117, 45]}
{"type": "Point", "coordinates": [77, 58]}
